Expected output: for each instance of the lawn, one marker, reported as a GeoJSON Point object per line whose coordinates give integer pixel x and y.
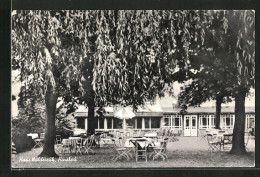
{"type": "Point", "coordinates": [187, 152]}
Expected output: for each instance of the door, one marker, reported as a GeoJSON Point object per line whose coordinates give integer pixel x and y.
{"type": "Point", "coordinates": [190, 125]}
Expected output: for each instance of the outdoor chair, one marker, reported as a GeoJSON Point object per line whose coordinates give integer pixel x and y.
{"type": "Point", "coordinates": [117, 134]}
{"type": "Point", "coordinates": [140, 150]}
{"type": "Point", "coordinates": [203, 134]}
{"type": "Point", "coordinates": [78, 146]}
{"type": "Point", "coordinates": [172, 135]}
{"type": "Point", "coordinates": [58, 139]}
{"type": "Point", "coordinates": [66, 146]}
{"type": "Point", "coordinates": [127, 134]}
{"type": "Point", "coordinates": [107, 142]}
{"type": "Point", "coordinates": [122, 152]}
{"type": "Point", "coordinates": [161, 151]}
{"type": "Point", "coordinates": [121, 134]}
{"type": "Point", "coordinates": [121, 141]}
{"type": "Point", "coordinates": [87, 145]}
{"type": "Point", "coordinates": [139, 133]}
{"type": "Point", "coordinates": [227, 142]}
{"type": "Point", "coordinates": [213, 142]}
{"type": "Point", "coordinates": [39, 141]}
{"type": "Point", "coordinates": [246, 139]}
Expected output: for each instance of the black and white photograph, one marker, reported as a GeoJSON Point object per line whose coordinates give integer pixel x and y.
{"type": "Point", "coordinates": [112, 89]}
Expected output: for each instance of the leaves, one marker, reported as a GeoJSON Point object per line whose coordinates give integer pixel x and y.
{"type": "Point", "coordinates": [128, 56]}
{"type": "Point", "coordinates": [221, 61]}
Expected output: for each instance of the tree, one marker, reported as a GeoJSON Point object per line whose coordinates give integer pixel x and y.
{"type": "Point", "coordinates": [209, 81]}
{"type": "Point", "coordinates": [230, 39]}
{"type": "Point", "coordinates": [241, 28]}
{"type": "Point", "coordinates": [63, 54]}
{"type": "Point", "coordinates": [234, 42]}
{"type": "Point", "coordinates": [102, 57]}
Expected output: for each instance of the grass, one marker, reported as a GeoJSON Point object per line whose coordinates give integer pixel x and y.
{"type": "Point", "coordinates": [187, 152]}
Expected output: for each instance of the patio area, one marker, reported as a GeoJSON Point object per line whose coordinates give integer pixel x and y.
{"type": "Point", "coordinates": [187, 152]}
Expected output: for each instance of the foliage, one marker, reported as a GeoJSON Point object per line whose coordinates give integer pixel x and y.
{"type": "Point", "coordinates": [31, 118]}
{"type": "Point", "coordinates": [64, 122]}
{"type": "Point", "coordinates": [216, 65]}
{"type": "Point", "coordinates": [22, 141]}
{"type": "Point", "coordinates": [149, 46]}
{"type": "Point", "coordinates": [126, 57]}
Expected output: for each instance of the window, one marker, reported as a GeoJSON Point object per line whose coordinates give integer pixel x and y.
{"type": "Point", "coordinates": [109, 123]}
{"type": "Point", "coordinates": [146, 123]}
{"type": "Point", "coordinates": [212, 118]}
{"type": "Point", "coordinates": [167, 121]}
{"type": "Point", "coordinates": [193, 123]}
{"type": "Point", "coordinates": [176, 122]}
{"type": "Point", "coordinates": [117, 123]}
{"type": "Point", "coordinates": [139, 123]}
{"type": "Point", "coordinates": [101, 123]}
{"type": "Point", "coordinates": [155, 122]}
{"type": "Point", "coordinates": [206, 121]}
{"type": "Point", "coordinates": [250, 120]}
{"type": "Point", "coordinates": [227, 121]}
{"type": "Point", "coordinates": [172, 121]}
{"type": "Point", "coordinates": [81, 123]}
{"type": "Point", "coordinates": [130, 123]}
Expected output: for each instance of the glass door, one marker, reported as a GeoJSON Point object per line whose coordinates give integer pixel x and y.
{"type": "Point", "coordinates": [190, 125]}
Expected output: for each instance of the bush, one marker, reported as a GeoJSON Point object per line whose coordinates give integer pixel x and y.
{"type": "Point", "coordinates": [23, 142]}
{"type": "Point", "coordinates": [65, 123]}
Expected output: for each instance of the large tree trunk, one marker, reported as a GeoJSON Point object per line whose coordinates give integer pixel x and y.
{"type": "Point", "coordinates": [238, 146]}
{"type": "Point", "coordinates": [91, 119]}
{"type": "Point", "coordinates": [89, 92]}
{"type": "Point", "coordinates": [219, 100]}
{"type": "Point", "coordinates": [50, 102]}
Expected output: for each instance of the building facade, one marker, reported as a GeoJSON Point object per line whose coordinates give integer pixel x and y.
{"type": "Point", "coordinates": [154, 118]}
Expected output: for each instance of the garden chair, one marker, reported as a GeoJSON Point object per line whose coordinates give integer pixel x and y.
{"type": "Point", "coordinates": [227, 142]}
{"type": "Point", "coordinates": [127, 134]}
{"type": "Point", "coordinates": [213, 142]}
{"type": "Point", "coordinates": [78, 146]}
{"type": "Point", "coordinates": [203, 134]}
{"type": "Point", "coordinates": [122, 151]}
{"type": "Point", "coordinates": [172, 135]}
{"type": "Point", "coordinates": [39, 141]}
{"type": "Point", "coordinates": [140, 150]}
{"type": "Point", "coordinates": [58, 139]}
{"type": "Point", "coordinates": [161, 151]}
{"type": "Point", "coordinates": [246, 139]}
{"type": "Point", "coordinates": [87, 145]}
{"type": "Point", "coordinates": [66, 146]}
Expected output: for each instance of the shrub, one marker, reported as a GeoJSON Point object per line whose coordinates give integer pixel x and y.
{"type": "Point", "coordinates": [65, 123]}
{"type": "Point", "coordinates": [22, 141]}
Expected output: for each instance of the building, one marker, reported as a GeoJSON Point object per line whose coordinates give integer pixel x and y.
{"type": "Point", "coordinates": [153, 118]}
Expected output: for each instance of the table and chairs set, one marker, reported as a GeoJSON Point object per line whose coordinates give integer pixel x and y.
{"type": "Point", "coordinates": [151, 145]}
{"type": "Point", "coordinates": [38, 140]}
{"type": "Point", "coordinates": [76, 145]}
{"type": "Point", "coordinates": [147, 146]}
{"type": "Point", "coordinates": [221, 139]}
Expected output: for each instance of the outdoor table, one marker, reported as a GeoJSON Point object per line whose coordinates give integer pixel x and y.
{"type": "Point", "coordinates": [221, 137]}
{"type": "Point", "coordinates": [33, 135]}
{"type": "Point", "coordinates": [151, 135]}
{"type": "Point", "coordinates": [107, 141]}
{"type": "Point", "coordinates": [74, 141]}
{"type": "Point", "coordinates": [140, 140]}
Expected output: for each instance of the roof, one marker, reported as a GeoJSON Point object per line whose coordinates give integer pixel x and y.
{"type": "Point", "coordinates": [226, 109]}
{"type": "Point", "coordinates": [157, 111]}
{"type": "Point", "coordinates": [82, 111]}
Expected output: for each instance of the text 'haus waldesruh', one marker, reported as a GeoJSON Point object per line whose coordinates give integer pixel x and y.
{"type": "Point", "coordinates": [153, 118]}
